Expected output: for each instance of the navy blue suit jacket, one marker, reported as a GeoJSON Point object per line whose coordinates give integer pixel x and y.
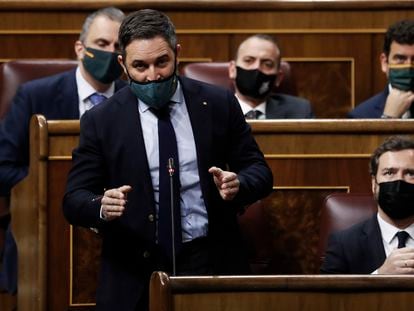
{"type": "Point", "coordinates": [112, 153]}
{"type": "Point", "coordinates": [55, 97]}
{"type": "Point", "coordinates": [372, 108]}
{"type": "Point", "coordinates": [357, 250]}
{"type": "Point", "coordinates": [283, 106]}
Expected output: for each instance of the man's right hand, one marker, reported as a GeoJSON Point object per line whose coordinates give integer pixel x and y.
{"type": "Point", "coordinates": [398, 102]}
{"type": "Point", "coordinates": [113, 202]}
{"type": "Point", "coordinates": [400, 261]}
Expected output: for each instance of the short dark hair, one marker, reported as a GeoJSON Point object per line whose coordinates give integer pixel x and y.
{"type": "Point", "coordinates": [393, 143]}
{"type": "Point", "coordinates": [265, 37]}
{"type": "Point", "coordinates": [147, 24]}
{"type": "Point", "coordinates": [112, 13]}
{"type": "Point", "coordinates": [401, 32]}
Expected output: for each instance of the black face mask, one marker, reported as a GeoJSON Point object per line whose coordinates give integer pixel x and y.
{"type": "Point", "coordinates": [102, 65]}
{"type": "Point", "coordinates": [254, 83]}
{"type": "Point", "coordinates": [396, 199]}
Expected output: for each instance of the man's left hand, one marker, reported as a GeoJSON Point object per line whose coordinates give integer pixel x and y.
{"type": "Point", "coordinates": [226, 182]}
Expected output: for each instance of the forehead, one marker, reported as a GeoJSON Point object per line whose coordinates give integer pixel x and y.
{"type": "Point", "coordinates": [397, 159]}
{"type": "Point", "coordinates": [403, 49]}
{"type": "Point", "coordinates": [147, 49]}
{"type": "Point", "coordinates": [259, 48]}
{"type": "Point", "coordinates": [103, 27]}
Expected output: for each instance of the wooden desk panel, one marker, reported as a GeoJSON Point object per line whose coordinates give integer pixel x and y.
{"type": "Point", "coordinates": [263, 293]}
{"type": "Point", "coordinates": [309, 159]}
{"type": "Point", "coordinates": [334, 46]}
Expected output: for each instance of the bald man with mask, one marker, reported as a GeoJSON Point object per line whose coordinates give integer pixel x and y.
{"type": "Point", "coordinates": [256, 72]}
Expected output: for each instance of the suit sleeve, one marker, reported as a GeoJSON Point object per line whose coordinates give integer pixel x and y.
{"type": "Point", "coordinates": [246, 159]}
{"type": "Point", "coordinates": [14, 142]}
{"type": "Point", "coordinates": [85, 184]}
{"type": "Point", "coordinates": [335, 258]}
{"type": "Point", "coordinates": [309, 112]}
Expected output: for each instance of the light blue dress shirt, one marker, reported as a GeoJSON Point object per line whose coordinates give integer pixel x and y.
{"type": "Point", "coordinates": [194, 220]}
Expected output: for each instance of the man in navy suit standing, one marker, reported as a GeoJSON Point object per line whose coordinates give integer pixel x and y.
{"type": "Point", "coordinates": [397, 62]}
{"type": "Point", "coordinates": [115, 183]}
{"type": "Point", "coordinates": [384, 244]}
{"type": "Point", "coordinates": [63, 96]}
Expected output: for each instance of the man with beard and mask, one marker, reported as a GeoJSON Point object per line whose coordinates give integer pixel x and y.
{"type": "Point", "coordinates": [384, 243]}
{"type": "Point", "coordinates": [63, 96]}
{"type": "Point", "coordinates": [256, 72]}
{"type": "Point", "coordinates": [162, 133]}
{"type": "Point", "coordinates": [397, 62]}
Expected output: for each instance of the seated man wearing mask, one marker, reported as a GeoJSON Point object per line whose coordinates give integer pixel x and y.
{"type": "Point", "coordinates": [63, 96]}
{"type": "Point", "coordinates": [256, 71]}
{"type": "Point", "coordinates": [397, 62]}
{"type": "Point", "coordinates": [384, 243]}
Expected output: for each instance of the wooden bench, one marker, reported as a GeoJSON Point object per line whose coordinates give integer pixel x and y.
{"type": "Point", "coordinates": [58, 263]}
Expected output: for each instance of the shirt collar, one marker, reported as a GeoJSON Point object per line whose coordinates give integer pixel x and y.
{"type": "Point", "coordinates": [388, 231]}
{"type": "Point", "coordinates": [85, 89]}
{"type": "Point", "coordinates": [246, 107]}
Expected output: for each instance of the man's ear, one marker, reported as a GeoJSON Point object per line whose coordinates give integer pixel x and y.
{"type": "Point", "coordinates": [384, 63]}
{"type": "Point", "coordinates": [280, 77]}
{"type": "Point", "coordinates": [177, 49]}
{"type": "Point", "coordinates": [232, 70]}
{"type": "Point", "coordinates": [177, 52]}
{"type": "Point", "coordinates": [79, 49]}
{"type": "Point", "coordinates": [121, 62]}
{"type": "Point", "coordinates": [373, 184]}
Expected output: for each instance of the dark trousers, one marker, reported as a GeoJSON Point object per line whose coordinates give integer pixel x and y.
{"type": "Point", "coordinates": [8, 274]}
{"type": "Point", "coordinates": [193, 259]}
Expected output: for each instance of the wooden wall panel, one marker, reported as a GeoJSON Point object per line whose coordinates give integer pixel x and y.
{"type": "Point", "coordinates": [212, 31]}
{"type": "Point", "coordinates": [24, 46]}
{"type": "Point", "coordinates": [85, 266]}
{"type": "Point", "coordinates": [327, 84]}
{"type": "Point", "coordinates": [294, 217]}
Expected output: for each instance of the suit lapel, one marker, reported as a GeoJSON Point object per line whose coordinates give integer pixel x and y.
{"type": "Point", "coordinates": [272, 108]}
{"type": "Point", "coordinates": [133, 136]}
{"type": "Point", "coordinates": [380, 104]}
{"type": "Point", "coordinates": [199, 110]}
{"type": "Point", "coordinates": [119, 84]}
{"type": "Point", "coordinates": [67, 94]}
{"type": "Point", "coordinates": [371, 242]}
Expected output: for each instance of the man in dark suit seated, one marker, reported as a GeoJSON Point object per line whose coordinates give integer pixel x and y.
{"type": "Point", "coordinates": [384, 243]}
{"type": "Point", "coordinates": [165, 150]}
{"type": "Point", "coordinates": [397, 62]}
{"type": "Point", "coordinates": [63, 96]}
{"type": "Point", "coordinates": [256, 71]}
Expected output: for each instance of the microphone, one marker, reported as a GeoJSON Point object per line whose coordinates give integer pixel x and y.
{"type": "Point", "coordinates": [171, 171]}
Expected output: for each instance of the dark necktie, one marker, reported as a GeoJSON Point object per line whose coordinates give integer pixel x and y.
{"type": "Point", "coordinates": [402, 238]}
{"type": "Point", "coordinates": [96, 98]}
{"type": "Point", "coordinates": [253, 114]}
{"type": "Point", "coordinates": [167, 144]}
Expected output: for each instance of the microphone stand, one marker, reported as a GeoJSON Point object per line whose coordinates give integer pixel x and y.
{"type": "Point", "coordinates": [171, 171]}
